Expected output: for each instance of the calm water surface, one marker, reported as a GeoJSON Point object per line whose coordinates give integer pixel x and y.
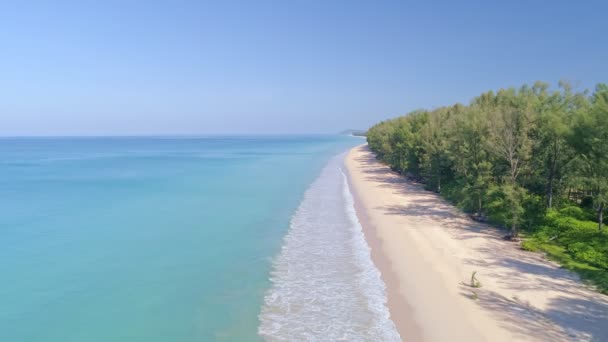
{"type": "Point", "coordinates": [146, 239]}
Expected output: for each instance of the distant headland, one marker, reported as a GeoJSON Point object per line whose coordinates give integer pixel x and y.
{"type": "Point", "coordinates": [355, 132]}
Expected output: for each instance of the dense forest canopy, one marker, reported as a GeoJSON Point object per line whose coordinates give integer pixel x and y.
{"type": "Point", "coordinates": [531, 159]}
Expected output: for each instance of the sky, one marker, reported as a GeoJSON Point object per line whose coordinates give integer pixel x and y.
{"type": "Point", "coordinates": [277, 67]}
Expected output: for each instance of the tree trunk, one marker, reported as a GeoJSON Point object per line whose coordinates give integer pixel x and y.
{"type": "Point", "coordinates": [600, 216]}
{"type": "Point", "coordinates": [514, 232]}
{"type": "Point", "coordinates": [514, 223]}
{"type": "Point", "coordinates": [550, 193]}
{"type": "Point", "coordinates": [438, 173]}
{"type": "Point", "coordinates": [438, 183]}
{"type": "Point", "coordinates": [552, 172]}
{"type": "Point", "coordinates": [400, 167]}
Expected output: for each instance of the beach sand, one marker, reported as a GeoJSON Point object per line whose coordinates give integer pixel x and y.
{"type": "Point", "coordinates": [427, 250]}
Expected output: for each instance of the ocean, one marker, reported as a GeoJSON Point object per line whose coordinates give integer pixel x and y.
{"type": "Point", "coordinates": [183, 239]}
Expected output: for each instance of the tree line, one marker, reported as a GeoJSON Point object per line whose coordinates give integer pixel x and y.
{"type": "Point", "coordinates": [516, 157]}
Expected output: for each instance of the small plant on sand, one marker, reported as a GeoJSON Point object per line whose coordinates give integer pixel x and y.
{"type": "Point", "coordinates": [474, 282]}
{"type": "Point", "coordinates": [474, 295]}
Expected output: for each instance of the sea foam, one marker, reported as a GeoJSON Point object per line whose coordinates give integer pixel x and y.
{"type": "Point", "coordinates": [325, 286]}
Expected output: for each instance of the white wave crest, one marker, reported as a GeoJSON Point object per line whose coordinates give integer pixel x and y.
{"type": "Point", "coordinates": [325, 286]}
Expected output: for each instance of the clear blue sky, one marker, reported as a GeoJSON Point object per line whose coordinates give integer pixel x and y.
{"type": "Point", "coordinates": [196, 67]}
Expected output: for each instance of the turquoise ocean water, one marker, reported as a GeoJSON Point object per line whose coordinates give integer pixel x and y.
{"type": "Point", "coordinates": [146, 239]}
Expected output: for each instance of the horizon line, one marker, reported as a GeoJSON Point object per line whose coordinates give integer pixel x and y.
{"type": "Point", "coordinates": [166, 135]}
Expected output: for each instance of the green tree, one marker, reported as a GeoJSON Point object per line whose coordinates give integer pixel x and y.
{"type": "Point", "coordinates": [434, 143]}
{"type": "Point", "coordinates": [471, 161]}
{"type": "Point", "coordinates": [509, 126]}
{"type": "Point", "coordinates": [555, 121]}
{"type": "Point", "coordinates": [590, 139]}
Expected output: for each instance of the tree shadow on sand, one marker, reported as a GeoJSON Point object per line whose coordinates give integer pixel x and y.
{"type": "Point", "coordinates": [578, 319]}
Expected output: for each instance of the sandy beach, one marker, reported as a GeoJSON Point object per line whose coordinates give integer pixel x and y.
{"type": "Point", "coordinates": [427, 251]}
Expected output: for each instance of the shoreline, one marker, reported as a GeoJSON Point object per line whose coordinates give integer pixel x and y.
{"type": "Point", "coordinates": [426, 251]}
{"type": "Point", "coordinates": [399, 309]}
{"type": "Point", "coordinates": [324, 284]}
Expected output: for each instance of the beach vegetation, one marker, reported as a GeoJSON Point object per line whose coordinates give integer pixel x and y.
{"type": "Point", "coordinates": [532, 160]}
{"type": "Point", "coordinates": [474, 281]}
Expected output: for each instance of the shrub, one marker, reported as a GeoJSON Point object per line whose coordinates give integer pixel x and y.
{"type": "Point", "coordinates": [580, 239]}
{"type": "Point", "coordinates": [575, 212]}
{"type": "Point", "coordinates": [531, 245]}
{"type": "Point", "coordinates": [588, 253]}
